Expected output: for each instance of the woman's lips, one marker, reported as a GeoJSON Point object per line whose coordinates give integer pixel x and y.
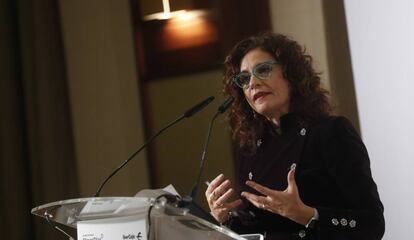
{"type": "Point", "coordinates": [259, 96]}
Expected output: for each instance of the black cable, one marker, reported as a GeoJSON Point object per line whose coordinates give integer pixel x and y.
{"type": "Point", "coordinates": [47, 216]}
{"type": "Point", "coordinates": [169, 198]}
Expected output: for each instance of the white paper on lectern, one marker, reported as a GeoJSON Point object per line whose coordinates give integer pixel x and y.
{"type": "Point", "coordinates": [114, 206]}
{"type": "Point", "coordinates": [131, 228]}
{"type": "Point", "coordinates": [100, 206]}
{"type": "Point", "coordinates": [171, 189]}
{"type": "Point", "coordinates": [154, 193]}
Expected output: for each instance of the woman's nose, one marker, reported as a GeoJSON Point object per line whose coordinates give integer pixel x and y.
{"type": "Point", "coordinates": [254, 81]}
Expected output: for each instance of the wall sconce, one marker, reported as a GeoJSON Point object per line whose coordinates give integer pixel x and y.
{"type": "Point", "coordinates": [177, 42]}
{"type": "Point", "coordinates": [164, 9]}
{"type": "Point", "coordinates": [165, 14]}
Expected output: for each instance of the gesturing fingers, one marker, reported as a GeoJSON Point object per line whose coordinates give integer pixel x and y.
{"type": "Point", "coordinates": [217, 200]}
{"type": "Point", "coordinates": [218, 191]}
{"type": "Point", "coordinates": [258, 201]}
{"type": "Point", "coordinates": [230, 205]}
{"type": "Point", "coordinates": [260, 188]}
{"type": "Point", "coordinates": [292, 187]}
{"type": "Point", "coordinates": [214, 184]}
{"type": "Point", "coordinates": [223, 198]}
{"type": "Point", "coordinates": [286, 203]}
{"type": "Point", "coordinates": [234, 204]}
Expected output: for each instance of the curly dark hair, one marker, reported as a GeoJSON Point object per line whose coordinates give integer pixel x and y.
{"type": "Point", "coordinates": [308, 99]}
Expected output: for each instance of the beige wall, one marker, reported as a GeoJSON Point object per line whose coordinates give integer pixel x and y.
{"type": "Point", "coordinates": [304, 22]}
{"type": "Point", "coordinates": [106, 111]}
{"type": "Point", "coordinates": [178, 152]}
{"type": "Point", "coordinates": [319, 25]}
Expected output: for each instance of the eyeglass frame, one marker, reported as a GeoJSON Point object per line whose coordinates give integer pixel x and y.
{"type": "Point", "coordinates": [253, 73]}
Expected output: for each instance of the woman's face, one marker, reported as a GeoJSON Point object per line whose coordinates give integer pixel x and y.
{"type": "Point", "coordinates": [268, 97]}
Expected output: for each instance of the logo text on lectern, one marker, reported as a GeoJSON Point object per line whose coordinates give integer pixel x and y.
{"type": "Point", "coordinates": [92, 237]}
{"type": "Point", "coordinates": [132, 236]}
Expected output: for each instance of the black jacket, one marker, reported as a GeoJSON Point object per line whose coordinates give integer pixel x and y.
{"type": "Point", "coordinates": [333, 175]}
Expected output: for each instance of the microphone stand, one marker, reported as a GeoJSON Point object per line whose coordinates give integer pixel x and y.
{"type": "Point", "coordinates": [222, 108]}
{"type": "Point", "coordinates": [193, 194]}
{"type": "Point", "coordinates": [189, 201]}
{"type": "Point", "coordinates": [187, 114]}
{"type": "Point", "coordinates": [135, 153]}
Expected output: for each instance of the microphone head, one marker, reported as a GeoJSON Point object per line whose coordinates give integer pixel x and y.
{"type": "Point", "coordinates": [198, 107]}
{"type": "Point", "coordinates": [223, 107]}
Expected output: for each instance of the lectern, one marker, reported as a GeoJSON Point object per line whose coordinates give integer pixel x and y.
{"type": "Point", "coordinates": [132, 218]}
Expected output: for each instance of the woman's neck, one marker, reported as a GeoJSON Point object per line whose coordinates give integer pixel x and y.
{"type": "Point", "coordinates": [275, 122]}
{"type": "Point", "coordinates": [275, 119]}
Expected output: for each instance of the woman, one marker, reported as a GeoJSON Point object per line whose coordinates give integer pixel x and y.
{"type": "Point", "coordinates": [301, 172]}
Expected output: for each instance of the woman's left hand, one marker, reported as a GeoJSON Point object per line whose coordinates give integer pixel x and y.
{"type": "Point", "coordinates": [286, 203]}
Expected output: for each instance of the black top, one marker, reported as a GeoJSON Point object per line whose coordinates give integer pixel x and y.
{"type": "Point", "coordinates": [332, 174]}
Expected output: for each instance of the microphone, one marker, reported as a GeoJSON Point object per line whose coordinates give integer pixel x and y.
{"type": "Point", "coordinates": [189, 201]}
{"type": "Point", "coordinates": [186, 114]}
{"type": "Point", "coordinates": [198, 107]}
{"type": "Point", "coordinates": [221, 109]}
{"type": "Point", "coordinates": [226, 105]}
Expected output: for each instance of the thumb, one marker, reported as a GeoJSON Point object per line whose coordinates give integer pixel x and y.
{"type": "Point", "coordinates": [291, 178]}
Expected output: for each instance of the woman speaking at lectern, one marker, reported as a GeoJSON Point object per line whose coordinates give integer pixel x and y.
{"type": "Point", "coordinates": [302, 173]}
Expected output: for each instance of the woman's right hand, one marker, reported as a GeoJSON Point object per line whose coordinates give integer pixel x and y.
{"type": "Point", "coordinates": [217, 195]}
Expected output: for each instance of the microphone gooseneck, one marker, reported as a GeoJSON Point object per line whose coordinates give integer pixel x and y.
{"type": "Point", "coordinates": [186, 114]}
{"type": "Point", "coordinates": [221, 109]}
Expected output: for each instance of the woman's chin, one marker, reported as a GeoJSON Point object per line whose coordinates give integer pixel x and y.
{"type": "Point", "coordinates": [264, 112]}
{"type": "Point", "coordinates": [263, 109]}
